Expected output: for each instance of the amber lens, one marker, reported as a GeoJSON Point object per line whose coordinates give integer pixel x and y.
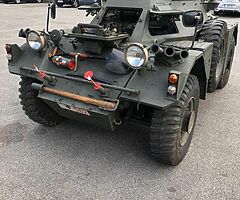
{"type": "Point", "coordinates": [173, 78]}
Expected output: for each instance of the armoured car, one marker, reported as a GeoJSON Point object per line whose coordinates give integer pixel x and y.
{"type": "Point", "coordinates": [149, 61]}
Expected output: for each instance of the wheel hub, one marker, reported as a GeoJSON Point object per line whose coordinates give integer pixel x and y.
{"type": "Point", "coordinates": [220, 64]}
{"type": "Point", "coordinates": [188, 122]}
{"type": "Point", "coordinates": [191, 121]}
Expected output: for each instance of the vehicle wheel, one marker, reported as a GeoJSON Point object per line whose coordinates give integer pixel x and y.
{"type": "Point", "coordinates": [17, 1]}
{"type": "Point", "coordinates": [5, 1]}
{"type": "Point", "coordinates": [225, 76]}
{"type": "Point", "coordinates": [172, 129]}
{"type": "Point", "coordinates": [60, 5]}
{"type": "Point", "coordinates": [214, 31]}
{"type": "Point", "coordinates": [34, 107]}
{"type": "Point", "coordinates": [75, 3]}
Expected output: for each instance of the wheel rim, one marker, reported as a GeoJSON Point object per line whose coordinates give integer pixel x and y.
{"type": "Point", "coordinates": [18, 1]}
{"type": "Point", "coordinates": [230, 57]}
{"type": "Point", "coordinates": [220, 64]}
{"type": "Point", "coordinates": [39, 1]}
{"type": "Point", "coordinates": [188, 122]}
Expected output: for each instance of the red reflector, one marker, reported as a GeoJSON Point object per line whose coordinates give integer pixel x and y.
{"type": "Point", "coordinates": [88, 75]}
{"type": "Point", "coordinates": [8, 48]}
{"type": "Point", "coordinates": [71, 65]}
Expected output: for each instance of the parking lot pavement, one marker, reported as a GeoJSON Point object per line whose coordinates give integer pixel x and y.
{"type": "Point", "coordinates": [75, 161]}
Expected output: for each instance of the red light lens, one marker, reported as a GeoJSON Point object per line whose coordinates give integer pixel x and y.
{"type": "Point", "coordinates": [71, 65]}
{"type": "Point", "coordinates": [8, 48]}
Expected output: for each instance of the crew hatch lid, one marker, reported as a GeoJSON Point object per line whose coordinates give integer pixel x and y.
{"type": "Point", "coordinates": [161, 8]}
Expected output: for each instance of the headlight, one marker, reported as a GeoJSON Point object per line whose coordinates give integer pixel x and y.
{"type": "Point", "coordinates": [136, 55]}
{"type": "Point", "coordinates": [35, 40]}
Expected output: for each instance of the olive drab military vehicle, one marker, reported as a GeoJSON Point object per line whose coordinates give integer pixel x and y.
{"type": "Point", "coordinates": [147, 60]}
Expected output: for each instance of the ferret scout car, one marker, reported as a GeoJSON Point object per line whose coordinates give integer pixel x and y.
{"type": "Point", "coordinates": [147, 60]}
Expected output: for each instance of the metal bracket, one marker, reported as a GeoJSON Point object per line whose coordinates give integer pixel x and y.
{"type": "Point", "coordinates": [110, 100]}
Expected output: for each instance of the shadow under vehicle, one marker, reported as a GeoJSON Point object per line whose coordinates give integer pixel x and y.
{"type": "Point", "coordinates": [144, 60]}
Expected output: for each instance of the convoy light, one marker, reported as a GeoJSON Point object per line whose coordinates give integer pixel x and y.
{"type": "Point", "coordinates": [35, 40]}
{"type": "Point", "coordinates": [136, 55]}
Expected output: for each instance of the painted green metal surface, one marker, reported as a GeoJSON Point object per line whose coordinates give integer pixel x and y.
{"type": "Point", "coordinates": [151, 82]}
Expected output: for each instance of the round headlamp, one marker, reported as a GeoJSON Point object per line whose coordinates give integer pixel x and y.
{"type": "Point", "coordinates": [136, 55]}
{"type": "Point", "coordinates": [35, 40]}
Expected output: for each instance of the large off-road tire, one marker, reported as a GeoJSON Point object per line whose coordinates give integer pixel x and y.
{"type": "Point", "coordinates": [172, 129]}
{"type": "Point", "coordinates": [226, 74]}
{"type": "Point", "coordinates": [214, 31]}
{"type": "Point", "coordinates": [35, 108]}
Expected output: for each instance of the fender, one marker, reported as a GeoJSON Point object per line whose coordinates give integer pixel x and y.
{"type": "Point", "coordinates": [154, 94]}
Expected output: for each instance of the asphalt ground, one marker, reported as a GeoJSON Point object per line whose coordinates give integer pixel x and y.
{"type": "Point", "coordinates": [76, 161]}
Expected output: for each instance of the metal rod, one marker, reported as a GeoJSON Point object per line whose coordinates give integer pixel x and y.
{"type": "Point", "coordinates": [48, 13]}
{"type": "Point", "coordinates": [87, 100]}
{"type": "Point", "coordinates": [114, 87]}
